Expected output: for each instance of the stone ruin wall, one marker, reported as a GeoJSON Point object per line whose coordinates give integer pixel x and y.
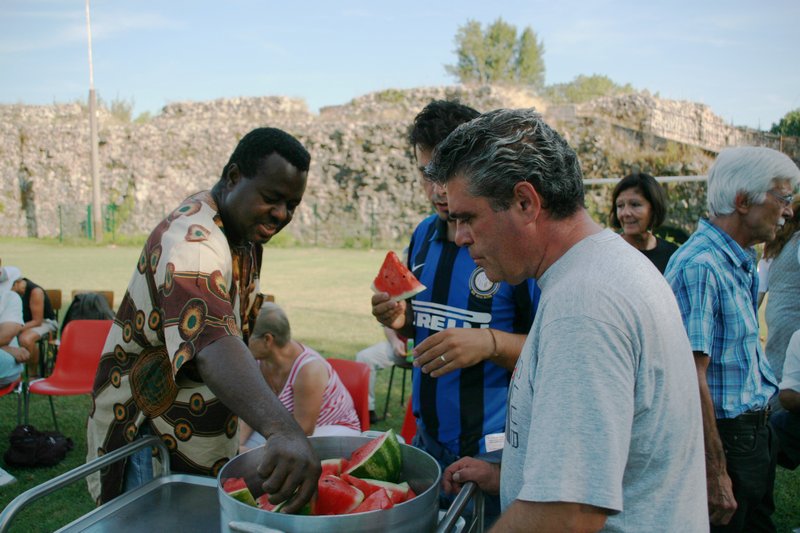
{"type": "Point", "coordinates": [362, 178]}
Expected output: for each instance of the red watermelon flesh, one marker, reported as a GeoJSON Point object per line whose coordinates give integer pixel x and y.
{"type": "Point", "coordinates": [335, 496]}
{"type": "Point", "coordinates": [360, 484]}
{"type": "Point", "coordinates": [232, 484]}
{"type": "Point", "coordinates": [264, 503]}
{"type": "Point", "coordinates": [334, 467]}
{"type": "Point", "coordinates": [237, 488]}
{"type": "Point", "coordinates": [377, 500]}
{"type": "Point", "coordinates": [398, 492]}
{"type": "Point", "coordinates": [396, 279]}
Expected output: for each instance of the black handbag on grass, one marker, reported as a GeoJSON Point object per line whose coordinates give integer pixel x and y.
{"type": "Point", "coordinates": [30, 447]}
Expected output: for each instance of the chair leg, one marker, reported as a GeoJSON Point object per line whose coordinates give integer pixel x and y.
{"type": "Point", "coordinates": [388, 392]}
{"type": "Point", "coordinates": [403, 390]}
{"type": "Point", "coordinates": [53, 412]}
{"type": "Point", "coordinates": [22, 400]}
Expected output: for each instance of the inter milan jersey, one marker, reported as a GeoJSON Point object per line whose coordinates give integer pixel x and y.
{"type": "Point", "coordinates": [460, 408]}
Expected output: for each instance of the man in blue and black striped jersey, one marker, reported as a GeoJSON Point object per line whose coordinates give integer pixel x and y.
{"type": "Point", "coordinates": [468, 330]}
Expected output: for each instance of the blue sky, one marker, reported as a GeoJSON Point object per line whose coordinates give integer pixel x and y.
{"type": "Point", "coordinates": [739, 57]}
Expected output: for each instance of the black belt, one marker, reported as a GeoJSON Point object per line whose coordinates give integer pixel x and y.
{"type": "Point", "coordinates": [751, 418]}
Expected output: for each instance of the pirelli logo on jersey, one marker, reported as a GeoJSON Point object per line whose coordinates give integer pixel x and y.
{"type": "Point", "coordinates": [437, 317]}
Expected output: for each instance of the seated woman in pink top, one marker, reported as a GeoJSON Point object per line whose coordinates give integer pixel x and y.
{"type": "Point", "coordinates": [301, 378]}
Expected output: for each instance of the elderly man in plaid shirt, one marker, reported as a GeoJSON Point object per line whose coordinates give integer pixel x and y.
{"type": "Point", "coordinates": [713, 276]}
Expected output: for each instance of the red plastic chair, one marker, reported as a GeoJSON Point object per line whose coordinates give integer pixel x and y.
{"type": "Point", "coordinates": [409, 429]}
{"type": "Point", "coordinates": [76, 365]}
{"type": "Point", "coordinates": [355, 377]}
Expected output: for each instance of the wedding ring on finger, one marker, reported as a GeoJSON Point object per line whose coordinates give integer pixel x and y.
{"type": "Point", "coordinates": [443, 359]}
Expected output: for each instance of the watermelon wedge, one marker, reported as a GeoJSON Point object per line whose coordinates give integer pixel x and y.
{"type": "Point", "coordinates": [335, 496]}
{"type": "Point", "coordinates": [377, 500]}
{"type": "Point", "coordinates": [398, 492]}
{"type": "Point", "coordinates": [263, 502]}
{"type": "Point", "coordinates": [379, 459]}
{"type": "Point", "coordinates": [396, 279]}
{"type": "Point", "coordinates": [237, 488]}
{"type": "Point", "coordinates": [333, 466]}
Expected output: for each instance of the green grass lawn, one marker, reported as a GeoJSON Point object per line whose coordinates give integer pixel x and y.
{"type": "Point", "coordinates": [326, 295]}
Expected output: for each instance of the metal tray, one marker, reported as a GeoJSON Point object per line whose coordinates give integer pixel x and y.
{"type": "Point", "coordinates": [177, 502]}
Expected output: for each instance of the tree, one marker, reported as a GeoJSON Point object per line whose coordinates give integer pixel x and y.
{"type": "Point", "coordinates": [585, 88]}
{"type": "Point", "coordinates": [496, 55]}
{"type": "Point", "coordinates": [789, 124]}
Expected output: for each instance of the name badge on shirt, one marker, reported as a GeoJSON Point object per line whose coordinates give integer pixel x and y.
{"type": "Point", "coordinates": [494, 441]}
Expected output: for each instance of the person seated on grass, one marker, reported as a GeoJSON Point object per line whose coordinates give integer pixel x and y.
{"type": "Point", "coordinates": [302, 379]}
{"type": "Point", "coordinates": [12, 356]}
{"type": "Point", "coordinates": [39, 318]}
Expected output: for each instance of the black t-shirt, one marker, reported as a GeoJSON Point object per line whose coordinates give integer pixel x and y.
{"type": "Point", "coordinates": [660, 255]}
{"type": "Point", "coordinates": [26, 302]}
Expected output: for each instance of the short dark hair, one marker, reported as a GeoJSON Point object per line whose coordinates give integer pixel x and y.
{"type": "Point", "coordinates": [652, 191]}
{"type": "Point", "coordinates": [262, 142]}
{"type": "Point", "coordinates": [501, 148]}
{"type": "Point", "coordinates": [436, 120]}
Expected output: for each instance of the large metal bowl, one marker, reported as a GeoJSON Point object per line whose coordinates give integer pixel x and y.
{"type": "Point", "coordinates": [418, 515]}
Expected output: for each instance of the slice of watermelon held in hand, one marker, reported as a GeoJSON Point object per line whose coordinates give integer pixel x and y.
{"type": "Point", "coordinates": [396, 279]}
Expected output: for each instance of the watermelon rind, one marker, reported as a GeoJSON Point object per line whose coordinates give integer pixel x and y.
{"type": "Point", "coordinates": [406, 295]}
{"type": "Point", "coordinates": [244, 495]}
{"type": "Point", "coordinates": [262, 502]}
{"type": "Point", "coordinates": [397, 491]}
{"type": "Point", "coordinates": [384, 462]}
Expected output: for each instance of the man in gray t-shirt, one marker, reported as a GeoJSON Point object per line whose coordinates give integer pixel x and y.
{"type": "Point", "coordinates": [604, 427]}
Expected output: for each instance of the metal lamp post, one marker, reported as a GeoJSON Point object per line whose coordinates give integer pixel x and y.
{"type": "Point", "coordinates": [97, 215]}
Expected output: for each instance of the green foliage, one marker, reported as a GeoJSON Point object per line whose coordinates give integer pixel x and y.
{"type": "Point", "coordinates": [497, 55]}
{"type": "Point", "coordinates": [789, 124]}
{"type": "Point", "coordinates": [585, 88]}
{"type": "Point", "coordinates": [143, 118]}
{"type": "Point", "coordinates": [121, 109]}
{"type": "Point", "coordinates": [390, 96]}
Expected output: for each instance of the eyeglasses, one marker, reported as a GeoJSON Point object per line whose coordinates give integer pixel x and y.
{"type": "Point", "coordinates": [786, 201]}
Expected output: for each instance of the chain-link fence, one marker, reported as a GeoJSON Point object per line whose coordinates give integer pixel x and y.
{"type": "Point", "coordinates": [75, 222]}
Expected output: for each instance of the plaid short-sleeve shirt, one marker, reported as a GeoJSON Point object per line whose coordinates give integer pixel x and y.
{"type": "Point", "coordinates": [189, 289]}
{"type": "Point", "coordinates": [714, 280]}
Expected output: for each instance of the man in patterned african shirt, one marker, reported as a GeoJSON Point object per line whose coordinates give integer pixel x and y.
{"type": "Point", "coordinates": [175, 363]}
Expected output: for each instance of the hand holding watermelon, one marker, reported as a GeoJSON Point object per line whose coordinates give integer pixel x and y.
{"type": "Point", "coordinates": [392, 286]}
{"type": "Point", "coordinates": [395, 279]}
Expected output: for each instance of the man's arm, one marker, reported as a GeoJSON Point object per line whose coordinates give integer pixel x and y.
{"type": "Point", "coordinates": [790, 400]}
{"type": "Point", "coordinates": [289, 463]}
{"type": "Point", "coordinates": [553, 517]}
{"type": "Point", "coordinates": [462, 348]}
{"type": "Point", "coordinates": [721, 503]}
{"type": "Point", "coordinates": [36, 305]}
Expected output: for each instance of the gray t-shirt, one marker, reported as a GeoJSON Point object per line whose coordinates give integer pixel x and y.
{"type": "Point", "coordinates": [604, 407]}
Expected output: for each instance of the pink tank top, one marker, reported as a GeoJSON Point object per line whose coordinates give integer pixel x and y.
{"type": "Point", "coordinates": [337, 406]}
